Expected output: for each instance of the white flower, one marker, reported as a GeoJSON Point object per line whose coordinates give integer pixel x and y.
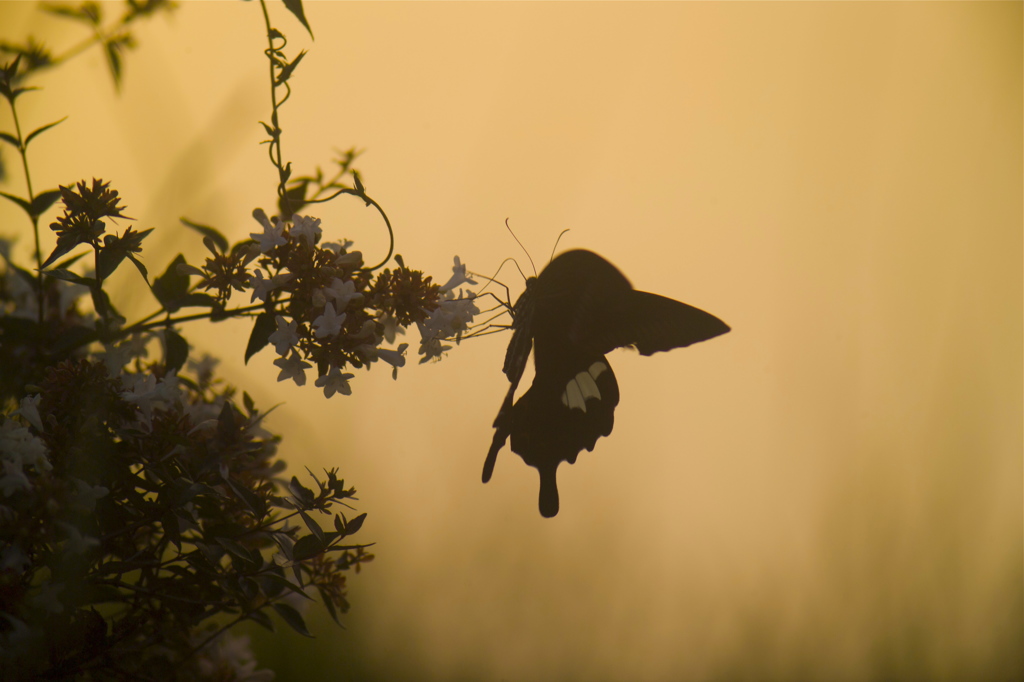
{"type": "Point", "coordinates": [451, 317]}
{"type": "Point", "coordinates": [203, 367]}
{"type": "Point", "coordinates": [261, 287]}
{"type": "Point", "coordinates": [391, 328]}
{"type": "Point", "coordinates": [86, 495]}
{"type": "Point", "coordinates": [230, 658]}
{"type": "Point", "coordinates": [116, 357]}
{"type": "Point", "coordinates": [343, 292]}
{"type": "Point", "coordinates": [293, 368]}
{"type": "Point", "coordinates": [335, 382]}
{"type": "Point", "coordinates": [21, 445]}
{"type": "Point", "coordinates": [76, 542]}
{"type": "Point", "coordinates": [350, 261]}
{"type": "Point", "coordinates": [328, 324]}
{"type": "Point", "coordinates": [306, 227]}
{"type": "Point", "coordinates": [285, 337]}
{"type": "Point", "coordinates": [13, 478]}
{"type": "Point", "coordinates": [458, 277]}
{"type": "Point", "coordinates": [149, 394]}
{"type": "Point", "coordinates": [395, 358]}
{"type": "Point", "coordinates": [271, 235]}
{"type": "Point", "coordinates": [29, 409]}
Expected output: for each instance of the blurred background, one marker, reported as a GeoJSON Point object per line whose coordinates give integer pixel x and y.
{"type": "Point", "coordinates": [831, 491]}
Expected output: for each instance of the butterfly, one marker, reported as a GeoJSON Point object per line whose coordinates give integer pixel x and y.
{"type": "Point", "coordinates": [578, 309]}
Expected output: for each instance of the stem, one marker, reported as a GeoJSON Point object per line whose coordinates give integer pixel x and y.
{"type": "Point", "coordinates": [275, 143]}
{"type": "Point", "coordinates": [23, 152]}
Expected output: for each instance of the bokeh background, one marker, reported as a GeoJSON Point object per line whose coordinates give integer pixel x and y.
{"type": "Point", "coordinates": [831, 491]}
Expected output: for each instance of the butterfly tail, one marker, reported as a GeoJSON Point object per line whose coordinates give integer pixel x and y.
{"type": "Point", "coordinates": [548, 492]}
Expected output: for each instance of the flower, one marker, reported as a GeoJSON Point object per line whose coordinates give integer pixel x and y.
{"type": "Point", "coordinates": [271, 235]}
{"type": "Point", "coordinates": [13, 478]}
{"type": "Point", "coordinates": [395, 358]}
{"type": "Point", "coordinates": [285, 337]}
{"type": "Point", "coordinates": [458, 277]}
{"type": "Point", "coordinates": [293, 368]}
{"type": "Point", "coordinates": [261, 287]}
{"type": "Point", "coordinates": [307, 228]}
{"type": "Point", "coordinates": [343, 292]}
{"type": "Point", "coordinates": [328, 324]}
{"type": "Point", "coordinates": [335, 382]}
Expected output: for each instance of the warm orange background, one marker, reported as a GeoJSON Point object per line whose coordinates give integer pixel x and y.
{"type": "Point", "coordinates": [831, 491]}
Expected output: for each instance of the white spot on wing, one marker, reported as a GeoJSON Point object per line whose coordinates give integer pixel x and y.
{"type": "Point", "coordinates": [583, 386]}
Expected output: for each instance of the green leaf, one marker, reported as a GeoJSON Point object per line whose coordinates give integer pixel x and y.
{"type": "Point", "coordinates": [305, 547]}
{"type": "Point", "coordinates": [42, 129]}
{"type": "Point", "coordinates": [313, 526]}
{"type": "Point", "coordinates": [43, 201]}
{"type": "Point", "coordinates": [139, 266]}
{"type": "Point", "coordinates": [295, 7]}
{"type": "Point", "coordinates": [286, 72]}
{"type": "Point", "coordinates": [292, 617]}
{"type": "Point", "coordinates": [260, 336]}
{"type": "Point", "coordinates": [10, 139]}
{"type": "Point", "coordinates": [69, 276]}
{"type": "Point", "coordinates": [115, 249]}
{"type": "Point", "coordinates": [170, 287]}
{"type": "Point", "coordinates": [261, 618]}
{"type": "Point", "coordinates": [329, 605]}
{"type": "Point", "coordinates": [353, 526]}
{"type": "Point", "coordinates": [25, 206]}
{"type": "Point", "coordinates": [176, 350]}
{"type": "Point", "coordinates": [254, 502]}
{"type": "Point", "coordinates": [207, 231]}
{"type": "Point", "coordinates": [301, 492]}
{"type": "Point", "coordinates": [65, 242]}
{"type": "Point", "coordinates": [113, 51]}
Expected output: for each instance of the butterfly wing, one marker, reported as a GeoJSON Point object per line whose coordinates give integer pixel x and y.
{"type": "Point", "coordinates": [554, 420]}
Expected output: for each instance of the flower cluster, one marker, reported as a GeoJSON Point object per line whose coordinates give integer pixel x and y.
{"type": "Point", "coordinates": [140, 505]}
{"type": "Point", "coordinates": [322, 308]}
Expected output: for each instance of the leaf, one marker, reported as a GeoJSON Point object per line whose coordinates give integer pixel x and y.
{"type": "Point", "coordinates": [301, 492]}
{"type": "Point", "coordinates": [286, 72]}
{"type": "Point", "coordinates": [68, 276]}
{"type": "Point", "coordinates": [313, 526]}
{"type": "Point", "coordinates": [176, 350]}
{"type": "Point", "coordinates": [10, 139]}
{"type": "Point", "coordinates": [353, 526]}
{"type": "Point", "coordinates": [25, 206]}
{"type": "Point", "coordinates": [42, 129]}
{"type": "Point", "coordinates": [254, 502]}
{"type": "Point", "coordinates": [207, 231]}
{"type": "Point", "coordinates": [115, 249]}
{"type": "Point", "coordinates": [295, 7]}
{"type": "Point", "coordinates": [113, 51]}
{"type": "Point", "coordinates": [307, 546]}
{"type": "Point", "coordinates": [170, 287]}
{"type": "Point", "coordinates": [261, 618]}
{"type": "Point", "coordinates": [140, 267]}
{"type": "Point", "coordinates": [65, 242]}
{"type": "Point", "coordinates": [44, 201]}
{"type": "Point", "coordinates": [292, 617]}
{"type": "Point", "coordinates": [260, 336]}
{"type": "Point", "coordinates": [329, 605]}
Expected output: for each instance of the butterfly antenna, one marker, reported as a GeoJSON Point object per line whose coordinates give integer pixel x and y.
{"type": "Point", "coordinates": [560, 234]}
{"type": "Point", "coordinates": [507, 227]}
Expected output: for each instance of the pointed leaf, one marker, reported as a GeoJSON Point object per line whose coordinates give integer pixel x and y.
{"type": "Point", "coordinates": [10, 139]}
{"type": "Point", "coordinates": [207, 231]}
{"type": "Point", "coordinates": [139, 266]}
{"type": "Point", "coordinates": [313, 526]}
{"type": "Point", "coordinates": [254, 502]}
{"type": "Point", "coordinates": [260, 336]}
{"type": "Point", "coordinates": [170, 287]}
{"type": "Point", "coordinates": [43, 201]}
{"type": "Point", "coordinates": [353, 526]}
{"type": "Point", "coordinates": [295, 7]}
{"type": "Point", "coordinates": [292, 617]}
{"type": "Point", "coordinates": [42, 129]}
{"type": "Point", "coordinates": [176, 350]}
{"type": "Point", "coordinates": [307, 546]}
{"type": "Point", "coordinates": [261, 618]}
{"type": "Point", "coordinates": [27, 207]}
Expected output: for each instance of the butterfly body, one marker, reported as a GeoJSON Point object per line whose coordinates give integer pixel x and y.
{"type": "Point", "coordinates": [578, 309]}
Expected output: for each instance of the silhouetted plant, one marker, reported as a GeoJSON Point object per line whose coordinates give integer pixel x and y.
{"type": "Point", "coordinates": [143, 508]}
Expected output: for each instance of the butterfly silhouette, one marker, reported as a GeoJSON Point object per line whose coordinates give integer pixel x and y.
{"type": "Point", "coordinates": [579, 308]}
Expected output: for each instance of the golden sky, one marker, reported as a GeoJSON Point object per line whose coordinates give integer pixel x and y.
{"type": "Point", "coordinates": [833, 490]}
